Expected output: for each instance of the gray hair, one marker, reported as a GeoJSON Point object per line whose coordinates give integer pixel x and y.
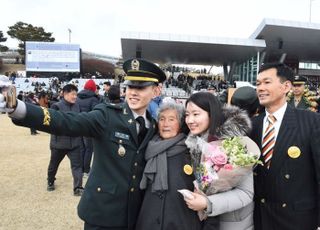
{"type": "Point", "coordinates": [172, 105]}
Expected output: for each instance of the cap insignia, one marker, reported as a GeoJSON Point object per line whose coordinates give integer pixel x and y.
{"type": "Point", "coordinates": [135, 64]}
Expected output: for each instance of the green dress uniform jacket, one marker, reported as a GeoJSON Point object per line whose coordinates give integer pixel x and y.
{"type": "Point", "coordinates": [112, 197]}
{"type": "Point", "coordinates": [301, 105]}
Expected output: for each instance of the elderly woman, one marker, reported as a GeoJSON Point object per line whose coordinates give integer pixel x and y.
{"type": "Point", "coordinates": [163, 208]}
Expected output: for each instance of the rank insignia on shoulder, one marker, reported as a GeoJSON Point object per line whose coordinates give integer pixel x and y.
{"type": "Point", "coordinates": [46, 116]}
{"type": "Point", "coordinates": [114, 106]}
{"type": "Point", "coordinates": [125, 111]}
{"type": "Point", "coordinates": [121, 151]}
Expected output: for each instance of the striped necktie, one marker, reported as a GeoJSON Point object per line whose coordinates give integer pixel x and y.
{"type": "Point", "coordinates": [268, 141]}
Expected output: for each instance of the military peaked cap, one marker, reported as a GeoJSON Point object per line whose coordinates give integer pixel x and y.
{"type": "Point", "coordinates": [141, 73]}
{"type": "Point", "coordinates": [245, 96]}
{"type": "Point", "coordinates": [299, 80]}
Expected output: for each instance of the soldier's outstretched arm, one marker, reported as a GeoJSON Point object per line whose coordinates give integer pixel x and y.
{"type": "Point", "coordinates": [91, 124]}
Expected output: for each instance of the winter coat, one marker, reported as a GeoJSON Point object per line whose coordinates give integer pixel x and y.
{"type": "Point", "coordinates": [234, 208]}
{"type": "Point", "coordinates": [65, 142]}
{"type": "Point", "coordinates": [166, 209]}
{"type": "Point", "coordinates": [87, 100]}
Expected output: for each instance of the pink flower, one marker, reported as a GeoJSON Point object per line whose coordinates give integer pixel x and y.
{"type": "Point", "coordinates": [216, 168]}
{"type": "Point", "coordinates": [228, 166]}
{"type": "Point", "coordinates": [218, 157]}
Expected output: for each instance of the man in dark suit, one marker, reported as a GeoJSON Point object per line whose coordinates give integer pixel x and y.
{"type": "Point", "coordinates": [287, 186]}
{"type": "Point", "coordinates": [112, 198]}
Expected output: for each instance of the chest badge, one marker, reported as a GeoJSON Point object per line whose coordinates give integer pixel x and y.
{"type": "Point", "coordinates": [187, 169]}
{"type": "Point", "coordinates": [294, 152]}
{"type": "Point", "coordinates": [121, 151]}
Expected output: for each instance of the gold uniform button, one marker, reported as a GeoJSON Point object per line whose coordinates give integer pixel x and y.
{"type": "Point", "coordinates": [132, 190]}
{"type": "Point", "coordinates": [99, 189]}
{"type": "Point", "coordinates": [284, 205]}
{"type": "Point", "coordinates": [287, 176]}
{"type": "Point", "coordinates": [136, 164]}
{"type": "Point", "coordinates": [263, 200]}
{"type": "Point", "coordinates": [120, 141]}
{"type": "Point", "coordinates": [133, 176]}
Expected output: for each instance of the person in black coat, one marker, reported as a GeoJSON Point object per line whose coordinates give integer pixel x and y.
{"type": "Point", "coordinates": [87, 100]}
{"type": "Point", "coordinates": [287, 186]}
{"type": "Point", "coordinates": [62, 145]}
{"type": "Point", "coordinates": [163, 208]}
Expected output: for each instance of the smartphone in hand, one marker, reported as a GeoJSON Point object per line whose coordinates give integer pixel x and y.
{"type": "Point", "coordinates": [11, 97]}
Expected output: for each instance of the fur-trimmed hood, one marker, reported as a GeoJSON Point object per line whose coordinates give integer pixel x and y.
{"type": "Point", "coordinates": [236, 123]}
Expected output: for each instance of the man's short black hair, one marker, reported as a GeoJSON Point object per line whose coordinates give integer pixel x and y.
{"type": "Point", "coordinates": [69, 87]}
{"type": "Point", "coordinates": [107, 83]}
{"type": "Point", "coordinates": [42, 94]}
{"type": "Point", "coordinates": [284, 72]}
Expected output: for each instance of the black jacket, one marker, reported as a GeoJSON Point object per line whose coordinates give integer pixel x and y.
{"type": "Point", "coordinates": [287, 194]}
{"type": "Point", "coordinates": [87, 100]}
{"type": "Point", "coordinates": [65, 142]}
{"type": "Point", "coordinates": [167, 210]}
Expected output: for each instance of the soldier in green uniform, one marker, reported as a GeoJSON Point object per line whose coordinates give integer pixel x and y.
{"type": "Point", "coordinates": [112, 198]}
{"type": "Point", "coordinates": [297, 99]}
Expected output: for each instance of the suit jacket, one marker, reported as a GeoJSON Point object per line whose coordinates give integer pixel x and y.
{"type": "Point", "coordinates": [287, 194]}
{"type": "Point", "coordinates": [112, 197]}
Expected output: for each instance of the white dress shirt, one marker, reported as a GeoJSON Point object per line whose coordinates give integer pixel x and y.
{"type": "Point", "coordinates": [279, 117]}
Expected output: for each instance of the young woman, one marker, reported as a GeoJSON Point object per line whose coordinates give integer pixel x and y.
{"type": "Point", "coordinates": [207, 119]}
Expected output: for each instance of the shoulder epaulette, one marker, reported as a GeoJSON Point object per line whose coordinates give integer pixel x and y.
{"type": "Point", "coordinates": [114, 106]}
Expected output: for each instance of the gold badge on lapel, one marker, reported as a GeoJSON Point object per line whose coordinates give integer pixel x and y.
{"type": "Point", "coordinates": [121, 151]}
{"type": "Point", "coordinates": [187, 169]}
{"type": "Point", "coordinates": [294, 152]}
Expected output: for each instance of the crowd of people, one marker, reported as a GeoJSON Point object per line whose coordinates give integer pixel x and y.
{"type": "Point", "coordinates": [147, 147]}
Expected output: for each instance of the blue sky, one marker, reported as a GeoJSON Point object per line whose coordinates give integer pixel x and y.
{"type": "Point", "coordinates": [97, 24]}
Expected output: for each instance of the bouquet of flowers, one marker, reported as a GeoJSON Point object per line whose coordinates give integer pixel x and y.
{"type": "Point", "coordinates": [225, 163]}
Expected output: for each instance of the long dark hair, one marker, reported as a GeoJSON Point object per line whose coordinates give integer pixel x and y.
{"type": "Point", "coordinates": [211, 104]}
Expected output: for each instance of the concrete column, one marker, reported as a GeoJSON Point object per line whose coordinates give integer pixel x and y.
{"type": "Point", "coordinates": [262, 58]}
{"type": "Point", "coordinates": [283, 58]}
{"type": "Point", "coordinates": [232, 68]}
{"type": "Point", "coordinates": [225, 72]}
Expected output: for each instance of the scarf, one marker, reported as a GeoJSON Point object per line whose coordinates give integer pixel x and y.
{"type": "Point", "coordinates": [157, 152]}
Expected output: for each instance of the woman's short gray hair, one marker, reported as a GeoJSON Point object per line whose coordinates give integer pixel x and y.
{"type": "Point", "coordinates": [172, 105]}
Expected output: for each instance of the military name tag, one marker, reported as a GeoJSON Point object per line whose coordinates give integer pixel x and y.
{"type": "Point", "coordinates": [122, 135]}
{"type": "Point", "coordinates": [121, 151]}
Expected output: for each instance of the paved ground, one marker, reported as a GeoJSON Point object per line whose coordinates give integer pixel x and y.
{"type": "Point", "coordinates": [24, 202]}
